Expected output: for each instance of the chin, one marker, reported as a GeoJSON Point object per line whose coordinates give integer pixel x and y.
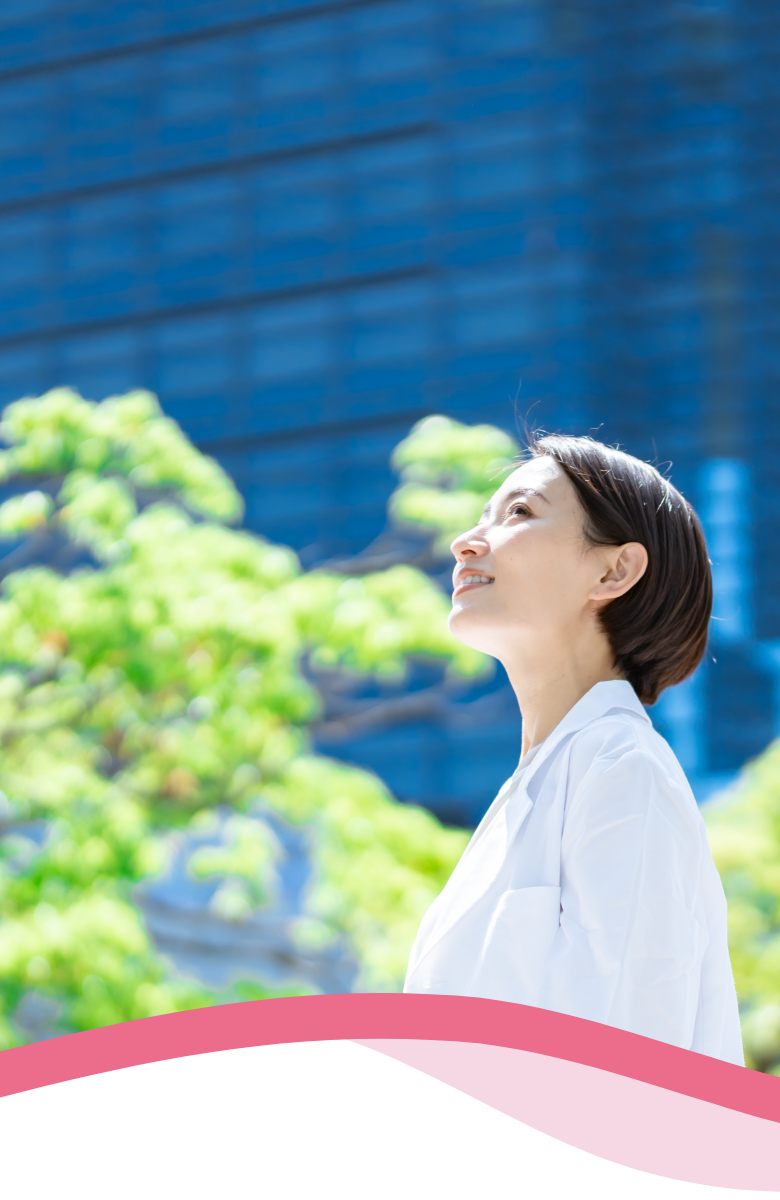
{"type": "Point", "coordinates": [467, 628]}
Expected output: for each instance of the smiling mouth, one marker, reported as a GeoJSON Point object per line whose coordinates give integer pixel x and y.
{"type": "Point", "coordinates": [467, 582]}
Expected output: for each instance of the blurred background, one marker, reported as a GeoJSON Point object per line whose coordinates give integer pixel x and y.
{"type": "Point", "coordinates": [306, 227]}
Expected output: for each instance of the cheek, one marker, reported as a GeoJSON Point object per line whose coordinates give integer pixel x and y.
{"type": "Point", "coordinates": [528, 556]}
{"type": "Point", "coordinates": [542, 570]}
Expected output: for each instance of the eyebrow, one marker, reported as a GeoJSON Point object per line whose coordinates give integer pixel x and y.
{"type": "Point", "coordinates": [521, 491]}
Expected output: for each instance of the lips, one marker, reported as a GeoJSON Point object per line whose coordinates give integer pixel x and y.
{"type": "Point", "coordinates": [468, 580]}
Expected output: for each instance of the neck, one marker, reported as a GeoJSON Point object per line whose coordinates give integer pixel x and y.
{"type": "Point", "coordinates": [548, 681]}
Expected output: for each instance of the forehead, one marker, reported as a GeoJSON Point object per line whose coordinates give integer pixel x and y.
{"type": "Point", "coordinates": [542, 474]}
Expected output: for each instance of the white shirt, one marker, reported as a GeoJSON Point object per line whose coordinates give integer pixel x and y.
{"type": "Point", "coordinates": [589, 888]}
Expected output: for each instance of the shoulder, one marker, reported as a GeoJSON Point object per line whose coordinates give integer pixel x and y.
{"type": "Point", "coordinates": [610, 738]}
{"type": "Point", "coordinates": [621, 754]}
{"type": "Point", "coordinates": [616, 735]}
{"type": "Point", "coordinates": [611, 735]}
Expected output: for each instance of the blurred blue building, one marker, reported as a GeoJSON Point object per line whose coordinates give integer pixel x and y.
{"type": "Point", "coordinates": [306, 225]}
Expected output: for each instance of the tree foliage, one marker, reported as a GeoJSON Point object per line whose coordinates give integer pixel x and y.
{"type": "Point", "coordinates": [744, 831]}
{"type": "Point", "coordinates": [448, 471]}
{"type": "Point", "coordinates": [160, 681]}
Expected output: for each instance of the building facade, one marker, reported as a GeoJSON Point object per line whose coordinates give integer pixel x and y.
{"type": "Point", "coordinates": [306, 226]}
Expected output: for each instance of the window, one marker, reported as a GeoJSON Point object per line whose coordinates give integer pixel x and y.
{"type": "Point", "coordinates": [294, 211]}
{"type": "Point", "coordinates": [196, 228]}
{"type": "Point", "coordinates": [307, 71]}
{"type": "Point", "coordinates": [390, 339]}
{"type": "Point", "coordinates": [293, 353]}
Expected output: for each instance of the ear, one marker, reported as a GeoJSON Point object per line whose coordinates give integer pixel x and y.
{"type": "Point", "coordinates": [623, 566]}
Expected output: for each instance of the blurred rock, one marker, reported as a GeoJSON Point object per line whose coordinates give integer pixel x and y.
{"type": "Point", "coordinates": [37, 1016]}
{"type": "Point", "coordinates": [266, 945]}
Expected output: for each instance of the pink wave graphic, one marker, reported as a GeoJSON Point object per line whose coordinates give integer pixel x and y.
{"type": "Point", "coordinates": [615, 1094]}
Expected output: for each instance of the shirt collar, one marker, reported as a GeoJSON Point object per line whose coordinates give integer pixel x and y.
{"type": "Point", "coordinates": [610, 695]}
{"type": "Point", "coordinates": [602, 698]}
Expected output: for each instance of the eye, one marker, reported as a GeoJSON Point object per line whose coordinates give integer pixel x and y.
{"type": "Point", "coordinates": [518, 507]}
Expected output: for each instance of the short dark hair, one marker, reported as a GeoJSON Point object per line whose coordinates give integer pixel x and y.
{"type": "Point", "coordinates": [658, 629]}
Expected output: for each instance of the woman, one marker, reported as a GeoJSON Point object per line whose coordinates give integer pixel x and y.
{"type": "Point", "coordinates": [588, 887]}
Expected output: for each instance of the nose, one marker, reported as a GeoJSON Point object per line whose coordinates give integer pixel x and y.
{"type": "Point", "coordinates": [471, 544]}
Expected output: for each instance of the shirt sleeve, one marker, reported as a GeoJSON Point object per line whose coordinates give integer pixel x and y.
{"type": "Point", "coordinates": [629, 948]}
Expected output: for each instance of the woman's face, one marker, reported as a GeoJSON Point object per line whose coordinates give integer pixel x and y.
{"type": "Point", "coordinates": [526, 568]}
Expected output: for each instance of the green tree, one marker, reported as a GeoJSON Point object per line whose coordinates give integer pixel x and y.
{"type": "Point", "coordinates": [154, 675]}
{"type": "Point", "coordinates": [743, 826]}
{"type": "Point", "coordinates": [448, 471]}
